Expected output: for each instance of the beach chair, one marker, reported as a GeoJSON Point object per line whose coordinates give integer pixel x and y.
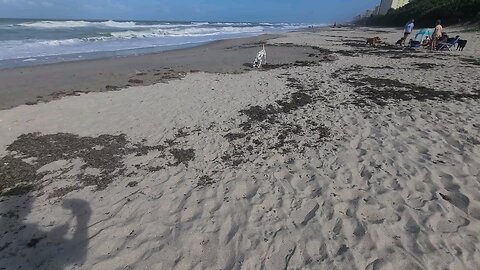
{"type": "Point", "coordinates": [443, 46]}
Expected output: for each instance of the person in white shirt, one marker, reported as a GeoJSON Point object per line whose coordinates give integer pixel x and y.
{"type": "Point", "coordinates": [408, 29]}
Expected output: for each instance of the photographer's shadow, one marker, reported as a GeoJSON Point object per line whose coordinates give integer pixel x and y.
{"type": "Point", "coordinates": [28, 246]}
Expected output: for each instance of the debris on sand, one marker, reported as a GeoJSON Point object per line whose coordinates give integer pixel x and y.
{"type": "Point", "coordinates": [381, 91]}
{"type": "Point", "coordinates": [104, 154]}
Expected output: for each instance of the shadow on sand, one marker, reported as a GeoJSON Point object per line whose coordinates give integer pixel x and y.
{"type": "Point", "coordinates": [32, 246]}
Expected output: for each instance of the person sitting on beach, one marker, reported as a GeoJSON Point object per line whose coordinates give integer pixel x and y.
{"type": "Point", "coordinates": [427, 41]}
{"type": "Point", "coordinates": [408, 30]}
{"type": "Point", "coordinates": [437, 34]}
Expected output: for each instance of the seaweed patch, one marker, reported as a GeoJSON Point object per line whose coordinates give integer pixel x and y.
{"type": "Point", "coordinates": [104, 155]}
{"type": "Point", "coordinates": [382, 90]}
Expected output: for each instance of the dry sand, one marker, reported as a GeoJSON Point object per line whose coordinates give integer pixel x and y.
{"type": "Point", "coordinates": [351, 158]}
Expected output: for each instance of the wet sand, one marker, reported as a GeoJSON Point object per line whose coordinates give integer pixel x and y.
{"type": "Point", "coordinates": [29, 85]}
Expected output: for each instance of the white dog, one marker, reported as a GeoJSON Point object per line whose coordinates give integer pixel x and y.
{"type": "Point", "coordinates": [261, 58]}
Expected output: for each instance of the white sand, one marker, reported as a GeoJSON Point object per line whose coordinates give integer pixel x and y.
{"type": "Point", "coordinates": [366, 197]}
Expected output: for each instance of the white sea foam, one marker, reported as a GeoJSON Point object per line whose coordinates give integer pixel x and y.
{"type": "Point", "coordinates": [55, 24]}
{"type": "Point", "coordinates": [188, 32]}
{"type": "Point", "coordinates": [131, 24]}
{"type": "Point", "coordinates": [111, 24]}
{"type": "Point", "coordinates": [77, 24]}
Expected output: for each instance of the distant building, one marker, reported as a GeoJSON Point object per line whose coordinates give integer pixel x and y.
{"type": "Point", "coordinates": [383, 8]}
{"type": "Point", "coordinates": [386, 5]}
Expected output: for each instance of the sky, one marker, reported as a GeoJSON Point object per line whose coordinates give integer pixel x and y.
{"type": "Point", "coordinates": [307, 11]}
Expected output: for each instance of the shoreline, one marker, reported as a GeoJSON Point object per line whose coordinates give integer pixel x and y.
{"type": "Point", "coordinates": [109, 54]}
{"type": "Point", "coordinates": [42, 83]}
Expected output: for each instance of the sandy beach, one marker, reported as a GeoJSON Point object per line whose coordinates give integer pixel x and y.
{"type": "Point", "coordinates": [334, 155]}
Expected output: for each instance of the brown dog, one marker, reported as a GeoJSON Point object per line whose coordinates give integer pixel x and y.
{"type": "Point", "coordinates": [374, 41]}
{"type": "Point", "coordinates": [400, 41]}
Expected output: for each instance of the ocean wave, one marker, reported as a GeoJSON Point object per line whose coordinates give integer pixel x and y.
{"type": "Point", "coordinates": [79, 24]}
{"type": "Point", "coordinates": [135, 25]}
{"type": "Point", "coordinates": [188, 32]}
{"type": "Point", "coordinates": [115, 24]}
{"type": "Point", "coordinates": [232, 24]}
{"type": "Point", "coordinates": [128, 35]}
{"type": "Point", "coordinates": [55, 24]}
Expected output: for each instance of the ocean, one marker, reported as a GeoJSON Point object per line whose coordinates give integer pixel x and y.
{"type": "Point", "coordinates": [26, 42]}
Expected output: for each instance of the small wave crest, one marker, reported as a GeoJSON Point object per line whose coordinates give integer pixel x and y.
{"type": "Point", "coordinates": [187, 32]}
{"type": "Point", "coordinates": [78, 24]}
{"type": "Point", "coordinates": [116, 24]}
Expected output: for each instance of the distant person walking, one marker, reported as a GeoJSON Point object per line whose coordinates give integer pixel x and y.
{"type": "Point", "coordinates": [408, 30]}
{"type": "Point", "coordinates": [437, 34]}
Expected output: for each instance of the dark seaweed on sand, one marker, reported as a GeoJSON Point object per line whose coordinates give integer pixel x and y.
{"type": "Point", "coordinates": [182, 156]}
{"type": "Point", "coordinates": [424, 66]}
{"type": "Point", "coordinates": [105, 153]}
{"type": "Point", "coordinates": [320, 55]}
{"type": "Point", "coordinates": [232, 136]}
{"type": "Point", "coordinates": [266, 126]}
{"type": "Point", "coordinates": [298, 99]}
{"type": "Point", "coordinates": [384, 50]}
{"type": "Point", "coordinates": [205, 181]}
{"type": "Point", "coordinates": [382, 90]}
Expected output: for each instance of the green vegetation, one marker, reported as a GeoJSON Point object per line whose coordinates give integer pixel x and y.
{"type": "Point", "coordinates": [426, 12]}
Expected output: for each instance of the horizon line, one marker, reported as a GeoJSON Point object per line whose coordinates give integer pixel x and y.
{"type": "Point", "coordinates": [158, 20]}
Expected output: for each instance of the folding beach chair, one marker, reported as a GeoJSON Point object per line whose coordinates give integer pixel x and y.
{"type": "Point", "coordinates": [447, 45]}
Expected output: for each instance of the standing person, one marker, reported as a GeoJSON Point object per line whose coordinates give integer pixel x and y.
{"type": "Point", "coordinates": [408, 30]}
{"type": "Point", "coordinates": [437, 34]}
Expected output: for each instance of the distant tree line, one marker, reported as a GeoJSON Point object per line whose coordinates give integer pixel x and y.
{"type": "Point", "coordinates": [426, 12]}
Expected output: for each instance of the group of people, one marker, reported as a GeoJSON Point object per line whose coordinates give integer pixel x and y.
{"type": "Point", "coordinates": [430, 42]}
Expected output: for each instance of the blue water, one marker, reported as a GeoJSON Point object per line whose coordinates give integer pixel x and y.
{"type": "Point", "coordinates": [33, 42]}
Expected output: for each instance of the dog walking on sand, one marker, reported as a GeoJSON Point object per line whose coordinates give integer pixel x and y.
{"type": "Point", "coordinates": [373, 41]}
{"type": "Point", "coordinates": [261, 58]}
